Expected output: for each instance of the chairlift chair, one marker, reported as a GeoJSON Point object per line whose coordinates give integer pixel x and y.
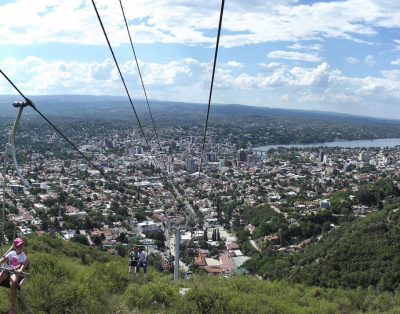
{"type": "Point", "coordinates": [22, 278]}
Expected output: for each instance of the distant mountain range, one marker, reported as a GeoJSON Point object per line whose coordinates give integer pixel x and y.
{"type": "Point", "coordinates": [117, 107]}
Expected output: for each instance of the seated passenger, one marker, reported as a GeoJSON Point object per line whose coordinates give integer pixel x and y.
{"type": "Point", "coordinates": [17, 261]}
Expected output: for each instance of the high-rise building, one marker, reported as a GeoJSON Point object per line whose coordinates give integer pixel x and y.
{"type": "Point", "coordinates": [172, 145]}
{"type": "Point", "coordinates": [191, 165]}
{"type": "Point", "coordinates": [127, 149]}
{"type": "Point", "coordinates": [108, 143]}
{"type": "Point", "coordinates": [138, 150]}
{"type": "Point", "coordinates": [170, 168]}
{"type": "Point", "coordinates": [211, 157]}
{"type": "Point", "coordinates": [242, 155]}
{"type": "Point", "coordinates": [364, 156]}
{"type": "Point", "coordinates": [321, 156]}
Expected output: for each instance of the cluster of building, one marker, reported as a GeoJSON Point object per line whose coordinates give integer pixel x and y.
{"type": "Point", "coordinates": [133, 201]}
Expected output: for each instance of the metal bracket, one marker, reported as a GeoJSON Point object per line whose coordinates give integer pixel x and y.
{"type": "Point", "coordinates": [10, 146]}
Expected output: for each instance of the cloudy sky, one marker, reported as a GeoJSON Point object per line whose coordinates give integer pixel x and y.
{"type": "Point", "coordinates": [341, 56]}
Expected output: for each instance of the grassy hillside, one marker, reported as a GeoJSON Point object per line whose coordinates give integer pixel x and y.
{"type": "Point", "coordinates": [69, 278]}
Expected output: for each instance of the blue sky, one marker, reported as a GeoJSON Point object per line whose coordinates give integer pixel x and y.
{"type": "Point", "coordinates": [341, 56]}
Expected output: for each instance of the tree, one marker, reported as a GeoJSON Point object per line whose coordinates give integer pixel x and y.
{"type": "Point", "coordinates": [214, 235]}
{"type": "Point", "coordinates": [121, 237]}
{"type": "Point", "coordinates": [122, 250]}
{"type": "Point", "coordinates": [203, 244]}
{"type": "Point", "coordinates": [366, 197]}
{"type": "Point", "coordinates": [62, 197]}
{"type": "Point", "coordinates": [157, 294]}
{"type": "Point", "coordinates": [92, 185]}
{"type": "Point", "coordinates": [207, 301]}
{"type": "Point", "coordinates": [205, 236]}
{"type": "Point", "coordinates": [80, 238]}
{"type": "Point", "coordinates": [97, 240]}
{"type": "Point", "coordinates": [217, 237]}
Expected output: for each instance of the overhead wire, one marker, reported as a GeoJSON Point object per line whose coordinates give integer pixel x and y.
{"type": "Point", "coordinates": [121, 76]}
{"type": "Point", "coordinates": [140, 74]}
{"type": "Point", "coordinates": [125, 85]}
{"type": "Point", "coordinates": [212, 83]}
{"type": "Point", "coordinates": [32, 105]}
{"type": "Point", "coordinates": [141, 79]}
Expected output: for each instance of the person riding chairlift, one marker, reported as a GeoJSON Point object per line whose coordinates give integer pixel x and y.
{"type": "Point", "coordinates": [133, 259]}
{"type": "Point", "coordinates": [142, 262]}
{"type": "Point", "coordinates": [17, 262]}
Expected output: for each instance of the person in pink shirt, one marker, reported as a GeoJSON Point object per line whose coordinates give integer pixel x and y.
{"type": "Point", "coordinates": [16, 261]}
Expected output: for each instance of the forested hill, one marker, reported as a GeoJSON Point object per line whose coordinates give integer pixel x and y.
{"type": "Point", "coordinates": [67, 277]}
{"type": "Point", "coordinates": [363, 253]}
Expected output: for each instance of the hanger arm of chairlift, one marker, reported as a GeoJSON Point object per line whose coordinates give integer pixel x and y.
{"type": "Point", "coordinates": [11, 141]}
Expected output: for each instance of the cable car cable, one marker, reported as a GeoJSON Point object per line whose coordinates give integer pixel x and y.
{"type": "Point", "coordinates": [140, 74]}
{"type": "Point", "coordinates": [212, 84]}
{"type": "Point", "coordinates": [31, 104]}
{"type": "Point", "coordinates": [120, 73]}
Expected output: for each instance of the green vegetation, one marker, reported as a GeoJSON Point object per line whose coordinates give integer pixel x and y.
{"type": "Point", "coordinates": [362, 253]}
{"type": "Point", "coordinates": [72, 278]}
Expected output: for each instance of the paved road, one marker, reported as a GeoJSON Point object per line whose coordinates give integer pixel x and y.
{"type": "Point", "coordinates": [187, 204]}
{"type": "Point", "coordinates": [277, 210]}
{"type": "Point", "coordinates": [255, 246]}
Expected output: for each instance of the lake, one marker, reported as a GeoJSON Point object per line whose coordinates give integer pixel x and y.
{"type": "Point", "coordinates": [380, 143]}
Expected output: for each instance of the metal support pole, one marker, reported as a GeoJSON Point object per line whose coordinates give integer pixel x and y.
{"type": "Point", "coordinates": [177, 243]}
{"type": "Point", "coordinates": [4, 201]}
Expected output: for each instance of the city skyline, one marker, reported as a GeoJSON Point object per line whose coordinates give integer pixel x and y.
{"type": "Point", "coordinates": [340, 56]}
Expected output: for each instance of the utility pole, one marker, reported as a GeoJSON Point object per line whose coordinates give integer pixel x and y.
{"type": "Point", "coordinates": [176, 262]}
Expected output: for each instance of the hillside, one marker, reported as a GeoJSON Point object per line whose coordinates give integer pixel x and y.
{"type": "Point", "coordinates": [243, 126]}
{"type": "Point", "coordinates": [360, 253]}
{"type": "Point", "coordinates": [116, 107]}
{"type": "Point", "coordinates": [70, 278]}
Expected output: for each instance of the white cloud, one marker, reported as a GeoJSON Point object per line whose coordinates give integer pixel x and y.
{"type": "Point", "coordinates": [235, 64]}
{"type": "Point", "coordinates": [188, 22]}
{"type": "Point", "coordinates": [352, 60]}
{"type": "Point", "coordinates": [314, 47]}
{"type": "Point", "coordinates": [285, 97]}
{"type": "Point", "coordinates": [393, 75]}
{"type": "Point", "coordinates": [370, 60]}
{"type": "Point", "coordinates": [395, 62]}
{"type": "Point", "coordinates": [321, 88]}
{"type": "Point", "coordinates": [397, 44]}
{"type": "Point", "coordinates": [294, 55]}
{"type": "Point", "coordinates": [271, 65]}
{"type": "Point", "coordinates": [316, 87]}
{"type": "Point", "coordinates": [180, 80]}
